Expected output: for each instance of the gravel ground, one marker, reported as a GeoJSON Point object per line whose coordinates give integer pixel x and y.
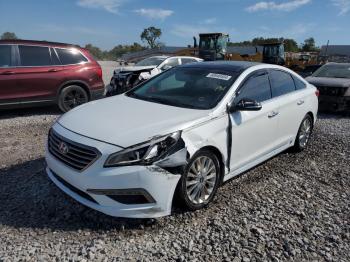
{"type": "Point", "coordinates": [293, 207]}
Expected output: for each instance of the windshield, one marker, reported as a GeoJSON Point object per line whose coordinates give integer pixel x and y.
{"type": "Point", "coordinates": [151, 61]}
{"type": "Point", "coordinates": [273, 50]}
{"type": "Point", "coordinates": [207, 43]}
{"type": "Point", "coordinates": [191, 87]}
{"type": "Point", "coordinates": [333, 71]}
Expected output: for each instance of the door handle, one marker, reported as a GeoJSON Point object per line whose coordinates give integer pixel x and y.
{"type": "Point", "coordinates": [300, 102]}
{"type": "Point", "coordinates": [8, 73]}
{"type": "Point", "coordinates": [273, 114]}
{"type": "Point", "coordinates": [52, 70]}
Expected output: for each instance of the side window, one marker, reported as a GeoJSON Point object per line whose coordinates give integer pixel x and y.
{"type": "Point", "coordinates": [188, 60]}
{"type": "Point", "coordinates": [257, 87]}
{"type": "Point", "coordinates": [34, 55]}
{"type": "Point", "coordinates": [298, 83]}
{"type": "Point", "coordinates": [172, 62]}
{"type": "Point", "coordinates": [281, 83]}
{"type": "Point", "coordinates": [70, 56]}
{"type": "Point", "coordinates": [54, 57]}
{"type": "Point", "coordinates": [5, 55]}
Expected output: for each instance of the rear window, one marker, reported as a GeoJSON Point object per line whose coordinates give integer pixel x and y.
{"type": "Point", "coordinates": [5, 55]}
{"type": "Point", "coordinates": [70, 56]}
{"type": "Point", "coordinates": [281, 83]}
{"type": "Point", "coordinates": [34, 55]}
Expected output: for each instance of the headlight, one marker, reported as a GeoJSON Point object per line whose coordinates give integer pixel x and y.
{"type": "Point", "coordinates": [145, 153]}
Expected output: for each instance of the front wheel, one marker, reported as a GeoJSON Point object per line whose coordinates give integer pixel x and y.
{"type": "Point", "coordinates": [304, 134]}
{"type": "Point", "coordinates": [200, 180]}
{"type": "Point", "coordinates": [72, 96]}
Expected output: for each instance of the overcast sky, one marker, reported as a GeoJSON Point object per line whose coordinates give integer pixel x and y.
{"type": "Point", "coordinates": [106, 23]}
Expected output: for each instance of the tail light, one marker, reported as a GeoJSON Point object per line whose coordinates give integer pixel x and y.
{"type": "Point", "coordinates": [99, 72]}
{"type": "Point", "coordinates": [317, 92]}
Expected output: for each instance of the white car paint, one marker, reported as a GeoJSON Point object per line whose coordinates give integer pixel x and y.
{"type": "Point", "coordinates": [118, 122]}
{"type": "Point", "coordinates": [160, 68]}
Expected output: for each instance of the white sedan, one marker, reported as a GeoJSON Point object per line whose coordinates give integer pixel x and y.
{"type": "Point", "coordinates": [180, 134]}
{"type": "Point", "coordinates": [125, 78]}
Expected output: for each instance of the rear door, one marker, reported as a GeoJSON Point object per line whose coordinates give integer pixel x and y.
{"type": "Point", "coordinates": [291, 104]}
{"type": "Point", "coordinates": [38, 74]}
{"type": "Point", "coordinates": [253, 132]}
{"type": "Point", "coordinates": [8, 82]}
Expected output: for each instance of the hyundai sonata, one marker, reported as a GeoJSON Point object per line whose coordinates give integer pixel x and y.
{"type": "Point", "coordinates": [179, 135]}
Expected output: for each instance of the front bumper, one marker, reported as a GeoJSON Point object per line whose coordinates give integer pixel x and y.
{"type": "Point", "coordinates": [334, 103]}
{"type": "Point", "coordinates": [154, 180]}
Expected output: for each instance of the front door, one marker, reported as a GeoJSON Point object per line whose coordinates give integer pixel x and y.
{"type": "Point", "coordinates": [253, 132]}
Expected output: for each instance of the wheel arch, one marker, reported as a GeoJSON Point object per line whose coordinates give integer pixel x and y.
{"type": "Point", "coordinates": [80, 83]}
{"type": "Point", "coordinates": [312, 117]}
{"type": "Point", "coordinates": [220, 157]}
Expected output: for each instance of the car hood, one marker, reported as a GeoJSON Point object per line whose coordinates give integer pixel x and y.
{"type": "Point", "coordinates": [126, 121]}
{"type": "Point", "coordinates": [133, 68]}
{"type": "Point", "coordinates": [329, 82]}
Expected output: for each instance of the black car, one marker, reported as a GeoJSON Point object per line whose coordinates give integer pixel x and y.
{"type": "Point", "coordinates": [333, 82]}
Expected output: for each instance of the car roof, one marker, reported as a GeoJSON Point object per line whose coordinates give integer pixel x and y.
{"type": "Point", "coordinates": [157, 56]}
{"type": "Point", "coordinates": [333, 63]}
{"type": "Point", "coordinates": [235, 66]}
{"type": "Point", "coordinates": [36, 42]}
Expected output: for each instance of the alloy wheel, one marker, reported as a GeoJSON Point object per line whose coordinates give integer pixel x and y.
{"type": "Point", "coordinates": [74, 98]}
{"type": "Point", "coordinates": [201, 179]}
{"type": "Point", "coordinates": [305, 132]}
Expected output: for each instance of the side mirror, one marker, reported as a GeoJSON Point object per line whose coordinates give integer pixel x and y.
{"type": "Point", "coordinates": [246, 105]}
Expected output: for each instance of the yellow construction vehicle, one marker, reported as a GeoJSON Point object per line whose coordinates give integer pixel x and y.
{"type": "Point", "coordinates": [214, 46]}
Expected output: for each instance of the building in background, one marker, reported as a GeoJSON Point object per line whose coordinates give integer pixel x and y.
{"type": "Point", "coordinates": [335, 53]}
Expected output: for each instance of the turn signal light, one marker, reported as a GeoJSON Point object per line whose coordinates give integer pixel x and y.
{"type": "Point", "coordinates": [317, 92]}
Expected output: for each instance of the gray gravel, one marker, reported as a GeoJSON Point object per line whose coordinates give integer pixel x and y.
{"type": "Point", "coordinates": [293, 207]}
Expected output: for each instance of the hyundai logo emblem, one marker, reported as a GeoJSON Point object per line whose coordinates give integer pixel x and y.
{"type": "Point", "coordinates": [63, 147]}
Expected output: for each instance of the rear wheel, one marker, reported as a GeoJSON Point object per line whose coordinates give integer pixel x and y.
{"type": "Point", "coordinates": [304, 134]}
{"type": "Point", "coordinates": [72, 96]}
{"type": "Point", "coordinates": [200, 180]}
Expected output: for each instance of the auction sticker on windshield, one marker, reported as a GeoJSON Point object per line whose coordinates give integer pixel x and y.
{"type": "Point", "coordinates": [219, 76]}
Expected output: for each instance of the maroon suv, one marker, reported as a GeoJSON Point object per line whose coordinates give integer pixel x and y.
{"type": "Point", "coordinates": [36, 72]}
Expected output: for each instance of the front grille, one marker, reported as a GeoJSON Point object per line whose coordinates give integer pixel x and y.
{"type": "Point", "coordinates": [331, 90]}
{"type": "Point", "coordinates": [74, 155]}
{"type": "Point", "coordinates": [72, 188]}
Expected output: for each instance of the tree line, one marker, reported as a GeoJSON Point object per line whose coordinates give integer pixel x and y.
{"type": "Point", "coordinates": [151, 35]}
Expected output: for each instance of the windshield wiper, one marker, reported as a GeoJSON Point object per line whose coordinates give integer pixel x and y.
{"type": "Point", "coordinates": [175, 103]}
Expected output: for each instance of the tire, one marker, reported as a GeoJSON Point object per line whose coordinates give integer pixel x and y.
{"type": "Point", "coordinates": [72, 96]}
{"type": "Point", "coordinates": [304, 134]}
{"type": "Point", "coordinates": [204, 186]}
